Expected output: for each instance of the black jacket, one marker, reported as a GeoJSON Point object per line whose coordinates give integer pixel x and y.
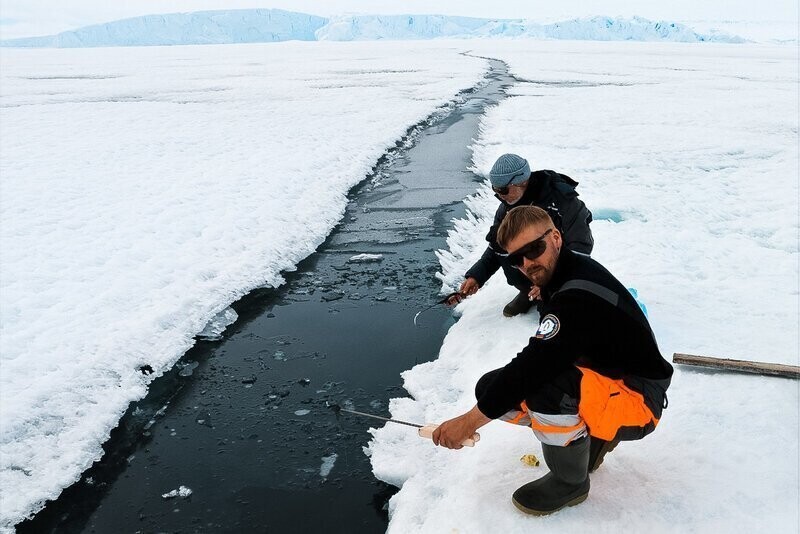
{"type": "Point", "coordinates": [594, 322]}
{"type": "Point", "coordinates": [554, 193]}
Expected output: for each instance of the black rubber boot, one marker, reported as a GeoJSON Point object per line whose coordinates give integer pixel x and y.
{"type": "Point", "coordinates": [520, 304]}
{"type": "Point", "coordinates": [567, 483]}
{"type": "Point", "coordinates": [598, 448]}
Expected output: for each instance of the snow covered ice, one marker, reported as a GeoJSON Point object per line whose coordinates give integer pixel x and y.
{"type": "Point", "coordinates": [213, 330]}
{"type": "Point", "coordinates": [145, 189]}
{"type": "Point", "coordinates": [695, 147]}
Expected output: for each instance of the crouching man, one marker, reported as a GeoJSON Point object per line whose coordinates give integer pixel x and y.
{"type": "Point", "coordinates": [592, 374]}
{"type": "Point", "coordinates": [515, 185]}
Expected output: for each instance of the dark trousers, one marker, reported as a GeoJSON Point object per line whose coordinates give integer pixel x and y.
{"type": "Point", "coordinates": [625, 409]}
{"type": "Point", "coordinates": [559, 396]}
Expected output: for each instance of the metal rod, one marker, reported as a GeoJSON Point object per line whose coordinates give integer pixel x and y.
{"type": "Point", "coordinates": [381, 418]}
{"type": "Point", "coordinates": [438, 302]}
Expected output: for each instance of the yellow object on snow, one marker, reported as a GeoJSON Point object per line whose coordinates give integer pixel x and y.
{"type": "Point", "coordinates": [530, 459]}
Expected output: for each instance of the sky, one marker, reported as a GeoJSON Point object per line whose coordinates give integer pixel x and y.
{"type": "Point", "coordinates": [25, 18]}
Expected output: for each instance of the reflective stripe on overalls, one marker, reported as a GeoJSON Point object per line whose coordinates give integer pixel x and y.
{"type": "Point", "coordinates": [552, 429]}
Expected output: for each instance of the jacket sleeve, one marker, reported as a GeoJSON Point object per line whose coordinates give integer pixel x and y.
{"type": "Point", "coordinates": [554, 348]}
{"type": "Point", "coordinates": [575, 216]}
{"type": "Point", "coordinates": [485, 267]}
{"type": "Point", "coordinates": [489, 263]}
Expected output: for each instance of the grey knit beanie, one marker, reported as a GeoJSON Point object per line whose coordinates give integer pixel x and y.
{"type": "Point", "coordinates": [509, 169]}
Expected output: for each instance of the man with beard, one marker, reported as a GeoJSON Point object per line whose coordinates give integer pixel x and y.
{"type": "Point", "coordinates": [592, 374]}
{"type": "Point", "coordinates": [515, 185]}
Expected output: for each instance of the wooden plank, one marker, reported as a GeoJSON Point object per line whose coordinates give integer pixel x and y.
{"type": "Point", "coordinates": [742, 366]}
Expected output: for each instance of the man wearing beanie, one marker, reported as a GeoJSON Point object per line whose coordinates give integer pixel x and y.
{"type": "Point", "coordinates": [515, 185]}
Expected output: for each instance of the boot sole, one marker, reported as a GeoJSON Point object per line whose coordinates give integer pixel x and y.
{"type": "Point", "coordinates": [577, 500]}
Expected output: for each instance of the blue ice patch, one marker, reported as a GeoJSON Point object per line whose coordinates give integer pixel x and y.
{"type": "Point", "coordinates": [635, 295]}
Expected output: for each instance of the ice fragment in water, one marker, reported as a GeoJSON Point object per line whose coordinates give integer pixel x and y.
{"type": "Point", "coordinates": [280, 356]}
{"type": "Point", "coordinates": [365, 258]}
{"type": "Point", "coordinates": [376, 404]}
{"type": "Point", "coordinates": [302, 412]}
{"type": "Point", "coordinates": [327, 465]}
{"type": "Point", "coordinates": [188, 368]}
{"type": "Point", "coordinates": [181, 492]}
{"type": "Point", "coordinates": [213, 330]}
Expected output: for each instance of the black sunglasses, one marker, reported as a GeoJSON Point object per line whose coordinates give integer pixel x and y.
{"type": "Point", "coordinates": [504, 189]}
{"type": "Point", "coordinates": [532, 250]}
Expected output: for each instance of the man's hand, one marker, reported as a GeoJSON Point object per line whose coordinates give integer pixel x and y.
{"type": "Point", "coordinates": [468, 287]}
{"type": "Point", "coordinates": [452, 433]}
{"type": "Point", "coordinates": [535, 293]}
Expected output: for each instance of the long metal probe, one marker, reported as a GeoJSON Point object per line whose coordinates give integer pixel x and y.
{"type": "Point", "coordinates": [382, 418]}
{"type": "Point", "coordinates": [424, 431]}
{"type": "Point", "coordinates": [440, 301]}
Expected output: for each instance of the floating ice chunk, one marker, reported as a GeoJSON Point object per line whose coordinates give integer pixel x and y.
{"type": "Point", "coordinates": [376, 404]}
{"type": "Point", "coordinates": [302, 412]}
{"type": "Point", "coordinates": [218, 324]}
{"type": "Point", "coordinates": [181, 492]}
{"type": "Point", "coordinates": [327, 465]}
{"type": "Point", "coordinates": [188, 368]}
{"type": "Point", "coordinates": [364, 258]}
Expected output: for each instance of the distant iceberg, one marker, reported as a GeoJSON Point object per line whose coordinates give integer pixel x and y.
{"type": "Point", "coordinates": [200, 27]}
{"type": "Point", "coordinates": [270, 25]}
{"type": "Point", "coordinates": [399, 27]}
{"type": "Point", "coordinates": [373, 27]}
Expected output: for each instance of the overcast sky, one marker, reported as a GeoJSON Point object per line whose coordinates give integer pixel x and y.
{"type": "Point", "coordinates": [22, 18]}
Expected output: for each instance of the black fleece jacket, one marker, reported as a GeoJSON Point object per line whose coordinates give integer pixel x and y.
{"type": "Point", "coordinates": [554, 193]}
{"type": "Point", "coordinates": [579, 327]}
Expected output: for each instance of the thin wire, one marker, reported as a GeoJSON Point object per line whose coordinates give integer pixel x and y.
{"type": "Point", "coordinates": [441, 301]}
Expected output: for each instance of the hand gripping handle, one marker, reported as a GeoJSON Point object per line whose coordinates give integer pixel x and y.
{"type": "Point", "coordinates": [427, 432]}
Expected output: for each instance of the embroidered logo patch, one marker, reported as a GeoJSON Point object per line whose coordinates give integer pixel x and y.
{"type": "Point", "coordinates": [548, 328]}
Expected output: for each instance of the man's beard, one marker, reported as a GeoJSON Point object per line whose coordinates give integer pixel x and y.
{"type": "Point", "coordinates": [540, 275]}
{"type": "Point", "coordinates": [536, 275]}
